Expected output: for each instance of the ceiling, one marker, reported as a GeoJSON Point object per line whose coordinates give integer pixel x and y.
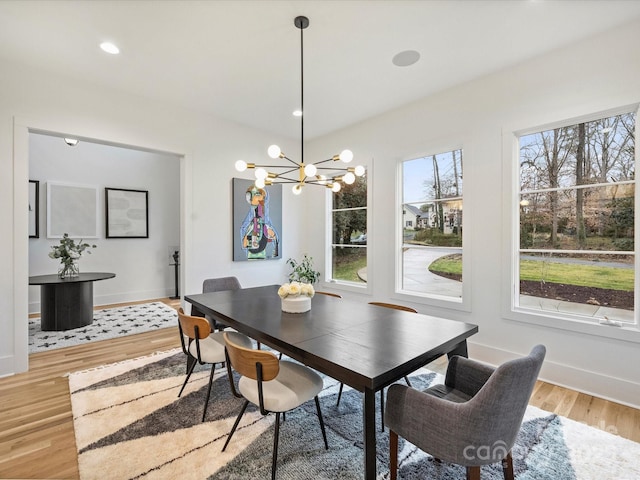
{"type": "Point", "coordinates": [240, 60]}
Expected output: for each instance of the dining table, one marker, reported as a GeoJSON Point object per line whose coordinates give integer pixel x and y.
{"type": "Point", "coordinates": [364, 346]}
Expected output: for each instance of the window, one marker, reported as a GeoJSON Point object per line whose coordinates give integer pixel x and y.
{"type": "Point", "coordinates": [576, 214]}
{"type": "Point", "coordinates": [431, 253]}
{"type": "Point", "coordinates": [348, 257]}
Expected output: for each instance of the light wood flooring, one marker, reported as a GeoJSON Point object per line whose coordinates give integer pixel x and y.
{"type": "Point", "coordinates": [36, 426]}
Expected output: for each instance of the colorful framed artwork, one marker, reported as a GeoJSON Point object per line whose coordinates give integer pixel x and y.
{"type": "Point", "coordinates": [257, 221]}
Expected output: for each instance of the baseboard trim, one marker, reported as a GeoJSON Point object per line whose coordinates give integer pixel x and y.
{"type": "Point", "coordinates": [100, 300]}
{"type": "Point", "coordinates": [580, 380]}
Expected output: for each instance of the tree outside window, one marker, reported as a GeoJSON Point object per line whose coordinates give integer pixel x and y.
{"type": "Point", "coordinates": [349, 233]}
{"type": "Point", "coordinates": [577, 219]}
{"type": "Point", "coordinates": [432, 218]}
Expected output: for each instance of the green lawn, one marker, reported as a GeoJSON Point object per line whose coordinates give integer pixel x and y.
{"type": "Point", "coordinates": [568, 274]}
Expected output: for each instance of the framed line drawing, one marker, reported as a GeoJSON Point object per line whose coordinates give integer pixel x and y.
{"type": "Point", "coordinates": [127, 213]}
{"type": "Point", "coordinates": [72, 209]}
{"type": "Point", "coordinates": [34, 209]}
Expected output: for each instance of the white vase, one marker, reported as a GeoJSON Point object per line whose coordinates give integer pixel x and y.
{"type": "Point", "coordinates": [296, 304]}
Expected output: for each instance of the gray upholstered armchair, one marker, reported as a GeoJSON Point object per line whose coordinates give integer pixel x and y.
{"type": "Point", "coordinates": [471, 420]}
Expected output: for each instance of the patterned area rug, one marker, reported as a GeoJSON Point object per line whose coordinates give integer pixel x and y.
{"type": "Point", "coordinates": [129, 422]}
{"type": "Point", "coordinates": [107, 323]}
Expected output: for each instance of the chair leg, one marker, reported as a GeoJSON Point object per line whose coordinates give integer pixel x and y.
{"type": "Point", "coordinates": [324, 433]}
{"type": "Point", "coordinates": [507, 467]}
{"type": "Point", "coordinates": [206, 402]}
{"type": "Point", "coordinates": [276, 434]}
{"type": "Point", "coordinates": [189, 372]}
{"type": "Point", "coordinates": [473, 473]}
{"type": "Point", "coordinates": [340, 394]}
{"type": "Point", "coordinates": [235, 425]}
{"type": "Point", "coordinates": [393, 454]}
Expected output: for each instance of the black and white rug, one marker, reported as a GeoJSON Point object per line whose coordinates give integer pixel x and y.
{"type": "Point", "coordinates": [129, 422]}
{"type": "Point", "coordinates": [107, 323]}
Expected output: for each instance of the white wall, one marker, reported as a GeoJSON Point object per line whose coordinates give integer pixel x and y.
{"type": "Point", "coordinates": [141, 265]}
{"type": "Point", "coordinates": [32, 99]}
{"type": "Point", "coordinates": [593, 76]}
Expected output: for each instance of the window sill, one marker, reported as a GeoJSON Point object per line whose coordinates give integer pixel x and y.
{"type": "Point", "coordinates": [629, 333]}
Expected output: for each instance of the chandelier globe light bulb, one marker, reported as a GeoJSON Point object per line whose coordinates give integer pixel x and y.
{"type": "Point", "coordinates": [310, 170]}
{"type": "Point", "coordinates": [274, 151]}
{"type": "Point", "coordinates": [335, 188]}
{"type": "Point", "coordinates": [259, 183]}
{"type": "Point", "coordinates": [261, 173]}
{"type": "Point", "coordinates": [349, 178]}
{"type": "Point", "coordinates": [346, 156]}
{"type": "Point", "coordinates": [359, 171]}
{"type": "Point", "coordinates": [297, 189]}
{"type": "Point", "coordinates": [322, 179]}
{"type": "Point", "coordinates": [241, 165]}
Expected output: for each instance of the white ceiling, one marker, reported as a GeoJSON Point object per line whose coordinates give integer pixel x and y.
{"type": "Point", "coordinates": [240, 59]}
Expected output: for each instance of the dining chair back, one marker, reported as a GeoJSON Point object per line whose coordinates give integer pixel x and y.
{"type": "Point", "coordinates": [330, 294]}
{"type": "Point", "coordinates": [271, 384]}
{"type": "Point", "coordinates": [394, 306]}
{"type": "Point", "coordinates": [219, 284]}
{"type": "Point", "coordinates": [472, 419]}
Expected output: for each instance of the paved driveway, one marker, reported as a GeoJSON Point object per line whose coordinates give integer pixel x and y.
{"type": "Point", "coordinates": [418, 278]}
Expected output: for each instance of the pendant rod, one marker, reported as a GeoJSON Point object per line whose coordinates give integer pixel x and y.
{"type": "Point", "coordinates": [301, 22]}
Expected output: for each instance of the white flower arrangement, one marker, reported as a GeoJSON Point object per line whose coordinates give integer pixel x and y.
{"type": "Point", "coordinates": [295, 288]}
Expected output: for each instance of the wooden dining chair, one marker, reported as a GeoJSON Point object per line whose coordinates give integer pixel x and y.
{"type": "Point", "coordinates": [330, 294]}
{"type": "Point", "coordinates": [202, 346]}
{"type": "Point", "coordinates": [406, 378]}
{"type": "Point", "coordinates": [273, 385]}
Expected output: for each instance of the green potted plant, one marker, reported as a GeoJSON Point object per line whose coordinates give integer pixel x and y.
{"type": "Point", "coordinates": [303, 271]}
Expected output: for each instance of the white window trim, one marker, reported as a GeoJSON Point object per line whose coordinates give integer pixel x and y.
{"type": "Point", "coordinates": [343, 285]}
{"type": "Point", "coordinates": [511, 182]}
{"type": "Point", "coordinates": [439, 301]}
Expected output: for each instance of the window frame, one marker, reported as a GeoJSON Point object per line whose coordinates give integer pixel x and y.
{"type": "Point", "coordinates": [511, 310]}
{"type": "Point", "coordinates": [430, 299]}
{"type": "Point", "coordinates": [344, 285]}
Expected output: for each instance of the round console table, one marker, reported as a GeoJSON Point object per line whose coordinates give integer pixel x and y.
{"type": "Point", "coordinates": [67, 303]}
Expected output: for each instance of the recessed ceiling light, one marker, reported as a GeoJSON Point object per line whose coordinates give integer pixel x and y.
{"type": "Point", "coordinates": [406, 58]}
{"type": "Point", "coordinates": [297, 113]}
{"type": "Point", "coordinates": [72, 142]}
{"type": "Point", "coordinates": [109, 48]}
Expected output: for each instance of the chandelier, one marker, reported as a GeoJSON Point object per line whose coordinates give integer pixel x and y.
{"type": "Point", "coordinates": [300, 173]}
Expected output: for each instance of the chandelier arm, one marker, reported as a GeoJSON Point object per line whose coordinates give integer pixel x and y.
{"type": "Point", "coordinates": [334, 169]}
{"type": "Point", "coordinates": [257, 165]}
{"type": "Point", "coordinates": [292, 161]}
{"type": "Point", "coordinates": [324, 161]}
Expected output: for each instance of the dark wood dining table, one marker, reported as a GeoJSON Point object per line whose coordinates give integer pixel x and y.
{"type": "Point", "coordinates": [364, 346]}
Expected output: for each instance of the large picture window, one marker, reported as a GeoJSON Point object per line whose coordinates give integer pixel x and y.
{"type": "Point", "coordinates": [431, 256]}
{"type": "Point", "coordinates": [576, 211]}
{"type": "Point", "coordinates": [349, 234]}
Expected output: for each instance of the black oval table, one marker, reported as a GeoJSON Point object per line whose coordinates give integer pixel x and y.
{"type": "Point", "coordinates": [67, 303]}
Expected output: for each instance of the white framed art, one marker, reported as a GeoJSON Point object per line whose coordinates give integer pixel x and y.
{"type": "Point", "coordinates": [72, 209]}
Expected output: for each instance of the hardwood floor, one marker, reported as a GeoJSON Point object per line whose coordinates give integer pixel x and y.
{"type": "Point", "coordinates": [36, 426]}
